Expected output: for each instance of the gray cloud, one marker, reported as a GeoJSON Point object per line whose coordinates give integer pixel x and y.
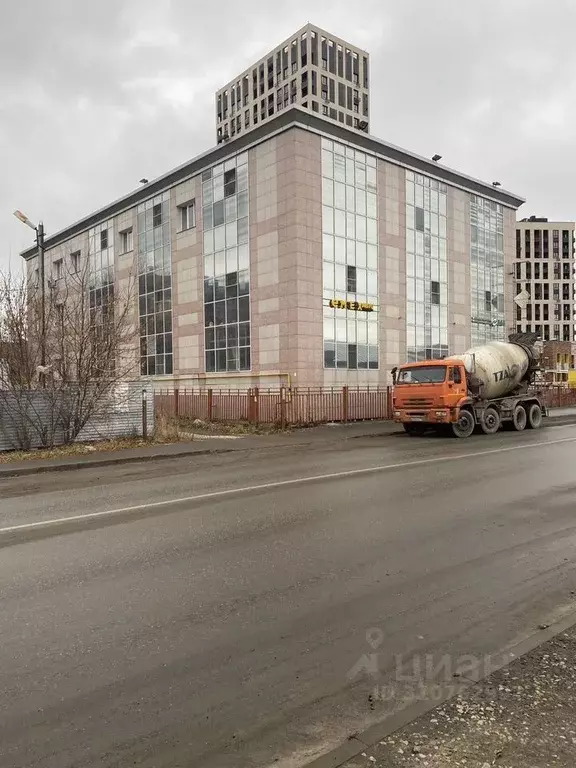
{"type": "Point", "coordinates": [94, 97]}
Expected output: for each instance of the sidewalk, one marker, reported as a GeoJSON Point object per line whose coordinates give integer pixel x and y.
{"type": "Point", "coordinates": [325, 433]}
{"type": "Point", "coordinates": [522, 716]}
{"type": "Point", "coordinates": [205, 445]}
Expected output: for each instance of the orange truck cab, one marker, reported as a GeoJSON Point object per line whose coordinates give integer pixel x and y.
{"type": "Point", "coordinates": [429, 394]}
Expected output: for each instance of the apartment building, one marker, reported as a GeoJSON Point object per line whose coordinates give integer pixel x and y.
{"type": "Point", "coordinates": [544, 279]}
{"type": "Point", "coordinates": [311, 69]}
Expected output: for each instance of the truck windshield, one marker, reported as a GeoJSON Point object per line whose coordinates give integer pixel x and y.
{"type": "Point", "coordinates": [425, 374]}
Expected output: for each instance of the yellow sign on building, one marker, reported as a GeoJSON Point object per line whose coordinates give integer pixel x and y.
{"type": "Point", "coordinates": [355, 306]}
{"type": "Point", "coordinates": [572, 378]}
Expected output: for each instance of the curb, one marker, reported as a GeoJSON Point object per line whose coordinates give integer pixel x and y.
{"type": "Point", "coordinates": [359, 742]}
{"type": "Point", "coordinates": [94, 464]}
{"type": "Point", "coordinates": [108, 462]}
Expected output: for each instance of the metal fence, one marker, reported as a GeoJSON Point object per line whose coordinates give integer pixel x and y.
{"type": "Point", "coordinates": [557, 395]}
{"type": "Point", "coordinates": [283, 406]}
{"type": "Point", "coordinates": [301, 405]}
{"type": "Point", "coordinates": [34, 418]}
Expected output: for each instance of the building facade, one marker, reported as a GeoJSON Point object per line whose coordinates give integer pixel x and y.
{"type": "Point", "coordinates": [544, 279]}
{"type": "Point", "coordinates": [301, 253]}
{"type": "Point", "coordinates": [312, 69]}
{"type": "Point", "coordinates": [558, 362]}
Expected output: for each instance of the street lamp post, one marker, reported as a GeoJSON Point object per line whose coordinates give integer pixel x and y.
{"type": "Point", "coordinates": [40, 245]}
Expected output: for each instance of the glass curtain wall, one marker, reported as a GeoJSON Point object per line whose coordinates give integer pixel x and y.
{"type": "Point", "coordinates": [350, 257]}
{"type": "Point", "coordinates": [155, 286]}
{"type": "Point", "coordinates": [226, 266]}
{"type": "Point", "coordinates": [426, 268]}
{"type": "Point", "coordinates": [488, 322]}
{"type": "Point", "coordinates": [100, 266]}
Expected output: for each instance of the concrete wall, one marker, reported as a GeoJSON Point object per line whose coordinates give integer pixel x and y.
{"type": "Point", "coordinates": [392, 267]}
{"type": "Point", "coordinates": [187, 285]}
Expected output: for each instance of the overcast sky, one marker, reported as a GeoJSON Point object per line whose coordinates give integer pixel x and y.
{"type": "Point", "coordinates": [96, 95]}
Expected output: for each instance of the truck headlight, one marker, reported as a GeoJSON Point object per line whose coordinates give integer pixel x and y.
{"type": "Point", "coordinates": [397, 414]}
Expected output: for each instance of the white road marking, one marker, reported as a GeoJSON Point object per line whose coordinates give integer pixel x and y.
{"type": "Point", "coordinates": [277, 484]}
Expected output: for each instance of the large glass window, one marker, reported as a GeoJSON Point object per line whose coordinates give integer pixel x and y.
{"type": "Point", "coordinates": [100, 269]}
{"type": "Point", "coordinates": [226, 266]}
{"type": "Point", "coordinates": [155, 286]}
{"type": "Point", "coordinates": [350, 266]}
{"type": "Point", "coordinates": [426, 268]}
{"type": "Point", "coordinates": [488, 322]}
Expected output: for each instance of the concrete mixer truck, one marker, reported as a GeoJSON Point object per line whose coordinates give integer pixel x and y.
{"type": "Point", "coordinates": [486, 387]}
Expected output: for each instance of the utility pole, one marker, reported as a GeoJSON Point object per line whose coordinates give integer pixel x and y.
{"type": "Point", "coordinates": [41, 274]}
{"type": "Point", "coordinates": [40, 243]}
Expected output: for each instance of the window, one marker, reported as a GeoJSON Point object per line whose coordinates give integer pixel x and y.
{"type": "Point", "coordinates": [351, 282]}
{"type": "Point", "coordinates": [419, 219]}
{"type": "Point", "coordinates": [103, 239]}
{"type": "Point", "coordinates": [456, 375]}
{"type": "Point", "coordinates": [324, 109]}
{"type": "Point", "coordinates": [75, 262]}
{"type": "Point", "coordinates": [126, 241]}
{"type": "Point", "coordinates": [157, 215]}
{"type": "Point", "coordinates": [435, 292]}
{"type": "Point", "coordinates": [58, 271]}
{"type": "Point", "coordinates": [545, 271]}
{"type": "Point", "coordinates": [529, 271]}
{"type": "Point", "coordinates": [324, 63]}
{"type": "Point", "coordinates": [187, 216]}
{"type": "Point", "coordinates": [487, 301]}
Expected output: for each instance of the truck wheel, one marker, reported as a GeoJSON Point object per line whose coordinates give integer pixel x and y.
{"type": "Point", "coordinates": [414, 429]}
{"type": "Point", "coordinates": [534, 416]}
{"type": "Point", "coordinates": [464, 426]}
{"type": "Point", "coordinates": [519, 419]}
{"type": "Point", "coordinates": [490, 421]}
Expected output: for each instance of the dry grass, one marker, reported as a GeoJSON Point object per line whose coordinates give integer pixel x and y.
{"type": "Point", "coordinates": [227, 428]}
{"type": "Point", "coordinates": [83, 449]}
{"type": "Point", "coordinates": [168, 430]}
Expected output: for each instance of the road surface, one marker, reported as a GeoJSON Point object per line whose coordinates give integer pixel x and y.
{"type": "Point", "coordinates": [214, 611]}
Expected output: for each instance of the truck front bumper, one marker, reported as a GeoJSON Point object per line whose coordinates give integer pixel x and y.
{"type": "Point", "coordinates": [429, 416]}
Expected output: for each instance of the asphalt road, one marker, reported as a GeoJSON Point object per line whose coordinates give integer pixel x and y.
{"type": "Point", "coordinates": [222, 629]}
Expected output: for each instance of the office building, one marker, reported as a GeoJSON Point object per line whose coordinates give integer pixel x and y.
{"type": "Point", "coordinates": [544, 275]}
{"type": "Point", "coordinates": [301, 252]}
{"type": "Point", "coordinates": [311, 69]}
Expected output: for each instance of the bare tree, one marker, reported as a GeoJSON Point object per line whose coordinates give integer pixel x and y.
{"type": "Point", "coordinates": [90, 349]}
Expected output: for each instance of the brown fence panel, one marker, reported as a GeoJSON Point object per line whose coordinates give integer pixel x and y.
{"type": "Point", "coordinates": [193, 404]}
{"type": "Point", "coordinates": [269, 406]}
{"type": "Point", "coordinates": [369, 404]}
{"type": "Point", "coordinates": [556, 396]}
{"type": "Point", "coordinates": [313, 405]}
{"type": "Point", "coordinates": [230, 405]}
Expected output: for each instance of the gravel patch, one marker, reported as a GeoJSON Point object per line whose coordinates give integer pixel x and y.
{"type": "Point", "coordinates": [523, 716]}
